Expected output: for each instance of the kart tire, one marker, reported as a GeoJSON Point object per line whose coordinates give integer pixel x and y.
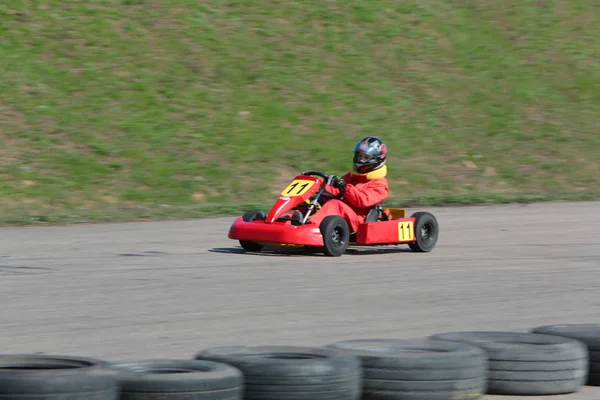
{"type": "Point", "coordinates": [418, 369]}
{"type": "Point", "coordinates": [292, 373]}
{"type": "Point", "coordinates": [589, 334]}
{"type": "Point", "coordinates": [48, 377]}
{"type": "Point", "coordinates": [249, 216]}
{"type": "Point", "coordinates": [528, 363]}
{"type": "Point", "coordinates": [426, 232]}
{"type": "Point", "coordinates": [336, 235]}
{"type": "Point", "coordinates": [165, 379]}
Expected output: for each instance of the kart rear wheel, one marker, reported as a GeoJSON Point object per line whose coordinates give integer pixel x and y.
{"type": "Point", "coordinates": [249, 216]}
{"type": "Point", "coordinates": [336, 235]}
{"type": "Point", "coordinates": [426, 232]}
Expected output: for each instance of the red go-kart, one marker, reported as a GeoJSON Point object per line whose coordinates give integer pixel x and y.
{"type": "Point", "coordinates": [382, 226]}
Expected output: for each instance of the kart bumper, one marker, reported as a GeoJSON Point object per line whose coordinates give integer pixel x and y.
{"type": "Point", "coordinates": [276, 233]}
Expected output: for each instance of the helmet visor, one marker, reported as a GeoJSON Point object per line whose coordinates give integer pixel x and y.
{"type": "Point", "coordinates": [361, 157]}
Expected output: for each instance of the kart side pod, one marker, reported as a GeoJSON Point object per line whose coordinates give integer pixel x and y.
{"type": "Point", "coordinates": [394, 231]}
{"type": "Point", "coordinates": [419, 231]}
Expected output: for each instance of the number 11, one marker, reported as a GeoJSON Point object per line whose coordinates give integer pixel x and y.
{"type": "Point", "coordinates": [294, 187]}
{"type": "Point", "coordinates": [405, 231]}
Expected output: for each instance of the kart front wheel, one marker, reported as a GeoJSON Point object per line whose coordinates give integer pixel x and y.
{"type": "Point", "coordinates": [249, 216]}
{"type": "Point", "coordinates": [426, 232]}
{"type": "Point", "coordinates": [336, 234]}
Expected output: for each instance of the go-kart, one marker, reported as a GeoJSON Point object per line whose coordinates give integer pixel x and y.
{"type": "Point", "coordinates": [382, 226]}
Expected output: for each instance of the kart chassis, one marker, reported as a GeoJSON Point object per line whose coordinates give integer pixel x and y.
{"type": "Point", "coordinates": [382, 226]}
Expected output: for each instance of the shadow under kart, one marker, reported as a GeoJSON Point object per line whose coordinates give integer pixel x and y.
{"type": "Point", "coordinates": [303, 251]}
{"type": "Point", "coordinates": [383, 226]}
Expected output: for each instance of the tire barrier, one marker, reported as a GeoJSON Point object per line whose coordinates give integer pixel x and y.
{"type": "Point", "coordinates": [589, 334]}
{"type": "Point", "coordinates": [528, 363]}
{"type": "Point", "coordinates": [292, 373]}
{"type": "Point", "coordinates": [48, 377]}
{"type": "Point", "coordinates": [548, 360]}
{"type": "Point", "coordinates": [416, 369]}
{"type": "Point", "coordinates": [178, 380]}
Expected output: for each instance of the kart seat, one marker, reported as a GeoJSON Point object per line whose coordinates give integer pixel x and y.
{"type": "Point", "coordinates": [372, 216]}
{"type": "Point", "coordinates": [374, 213]}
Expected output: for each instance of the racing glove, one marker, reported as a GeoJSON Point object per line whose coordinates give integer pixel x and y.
{"type": "Point", "coordinates": [339, 183]}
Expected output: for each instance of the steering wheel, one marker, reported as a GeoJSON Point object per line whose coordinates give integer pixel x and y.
{"type": "Point", "coordinates": [317, 173]}
{"type": "Point", "coordinates": [327, 181]}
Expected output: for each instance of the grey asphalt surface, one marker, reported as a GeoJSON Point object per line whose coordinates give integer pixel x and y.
{"type": "Point", "coordinates": [170, 289]}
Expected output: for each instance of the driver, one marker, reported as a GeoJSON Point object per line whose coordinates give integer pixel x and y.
{"type": "Point", "coordinates": [358, 190]}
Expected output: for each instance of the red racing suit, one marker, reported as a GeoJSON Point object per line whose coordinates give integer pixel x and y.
{"type": "Point", "coordinates": [363, 191]}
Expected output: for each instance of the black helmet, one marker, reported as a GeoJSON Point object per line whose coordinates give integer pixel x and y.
{"type": "Point", "coordinates": [369, 154]}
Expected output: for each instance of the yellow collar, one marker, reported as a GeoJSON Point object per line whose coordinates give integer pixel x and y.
{"type": "Point", "coordinates": [378, 173]}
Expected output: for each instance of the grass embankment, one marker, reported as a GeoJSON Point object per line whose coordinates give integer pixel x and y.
{"type": "Point", "coordinates": [117, 109]}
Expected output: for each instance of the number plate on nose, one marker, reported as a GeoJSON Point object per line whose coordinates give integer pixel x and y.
{"type": "Point", "coordinates": [298, 187]}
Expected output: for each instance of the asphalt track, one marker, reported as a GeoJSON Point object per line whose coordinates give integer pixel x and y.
{"type": "Point", "coordinates": [170, 289]}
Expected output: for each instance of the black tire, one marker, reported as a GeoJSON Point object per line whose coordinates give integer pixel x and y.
{"type": "Point", "coordinates": [336, 235]}
{"type": "Point", "coordinates": [46, 377]}
{"type": "Point", "coordinates": [178, 380]}
{"type": "Point", "coordinates": [419, 369]}
{"type": "Point", "coordinates": [426, 232]}
{"type": "Point", "coordinates": [292, 373]}
{"type": "Point", "coordinates": [249, 216]}
{"type": "Point", "coordinates": [589, 334]}
{"type": "Point", "coordinates": [528, 363]}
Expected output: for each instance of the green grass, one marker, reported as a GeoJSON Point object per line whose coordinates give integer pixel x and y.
{"type": "Point", "coordinates": [121, 109]}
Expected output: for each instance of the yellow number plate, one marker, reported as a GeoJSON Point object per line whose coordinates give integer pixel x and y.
{"type": "Point", "coordinates": [405, 231]}
{"type": "Point", "coordinates": [298, 187]}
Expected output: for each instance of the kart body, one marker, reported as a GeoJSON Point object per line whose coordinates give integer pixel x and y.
{"type": "Point", "coordinates": [382, 226]}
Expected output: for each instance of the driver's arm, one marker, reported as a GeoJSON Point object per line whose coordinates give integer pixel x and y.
{"type": "Point", "coordinates": [374, 193]}
{"type": "Point", "coordinates": [335, 191]}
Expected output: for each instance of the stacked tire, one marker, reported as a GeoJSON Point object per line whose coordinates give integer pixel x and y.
{"type": "Point", "coordinates": [528, 363]}
{"type": "Point", "coordinates": [48, 377]}
{"type": "Point", "coordinates": [292, 373]}
{"type": "Point", "coordinates": [588, 334]}
{"type": "Point", "coordinates": [415, 369]}
{"type": "Point", "coordinates": [166, 379]}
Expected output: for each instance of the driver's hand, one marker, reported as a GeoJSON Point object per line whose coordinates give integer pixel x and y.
{"type": "Point", "coordinates": [338, 182]}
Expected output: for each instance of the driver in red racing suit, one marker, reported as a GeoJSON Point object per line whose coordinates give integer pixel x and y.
{"type": "Point", "coordinates": [360, 189]}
